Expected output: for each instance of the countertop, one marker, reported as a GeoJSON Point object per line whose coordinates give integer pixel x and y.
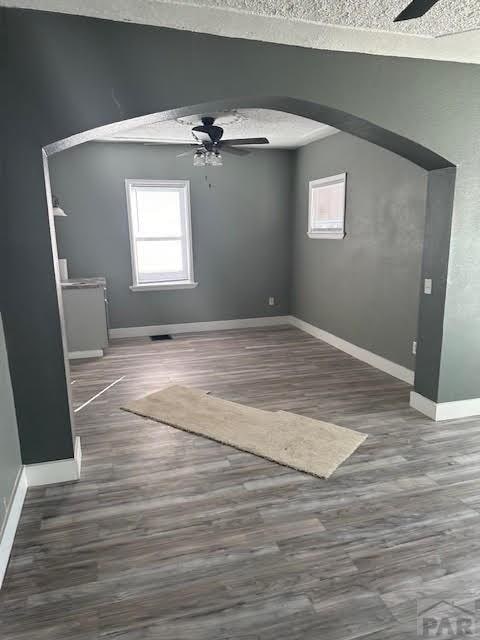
{"type": "Point", "coordinates": [84, 283]}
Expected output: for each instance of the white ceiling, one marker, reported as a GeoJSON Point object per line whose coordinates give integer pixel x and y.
{"type": "Point", "coordinates": [449, 31]}
{"type": "Point", "coordinates": [283, 130]}
{"type": "Point", "coordinates": [447, 16]}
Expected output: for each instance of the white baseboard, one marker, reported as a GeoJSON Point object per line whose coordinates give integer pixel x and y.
{"type": "Point", "coordinates": [192, 327]}
{"type": "Point", "coordinates": [373, 359]}
{"type": "Point", "coordinates": [80, 355]}
{"type": "Point", "coordinates": [56, 471]}
{"type": "Point", "coordinates": [11, 521]}
{"type": "Point", "coordinates": [424, 405]}
{"type": "Point", "coordinates": [34, 475]}
{"type": "Point", "coordinates": [392, 368]}
{"type": "Point", "coordinates": [445, 410]}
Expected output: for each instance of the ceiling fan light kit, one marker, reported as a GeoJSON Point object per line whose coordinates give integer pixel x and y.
{"type": "Point", "coordinates": [202, 158]}
{"type": "Point", "coordinates": [214, 158]}
{"type": "Point", "coordinates": [199, 158]}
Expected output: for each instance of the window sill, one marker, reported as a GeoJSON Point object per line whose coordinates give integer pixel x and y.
{"type": "Point", "coordinates": [164, 286]}
{"type": "Point", "coordinates": [328, 236]}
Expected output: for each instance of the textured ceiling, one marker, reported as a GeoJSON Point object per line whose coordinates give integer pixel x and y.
{"type": "Point", "coordinates": [449, 31]}
{"type": "Point", "coordinates": [447, 16]}
{"type": "Point", "coordinates": [284, 130]}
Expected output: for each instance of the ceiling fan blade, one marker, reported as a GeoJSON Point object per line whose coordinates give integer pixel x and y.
{"type": "Point", "coordinates": [155, 143]}
{"type": "Point", "coordinates": [415, 9]}
{"type": "Point", "coordinates": [234, 150]}
{"type": "Point", "coordinates": [238, 141]}
{"type": "Point", "coordinates": [189, 152]}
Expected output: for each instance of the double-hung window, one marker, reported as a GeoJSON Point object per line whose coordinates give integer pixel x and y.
{"type": "Point", "coordinates": [326, 207]}
{"type": "Point", "coordinates": [160, 234]}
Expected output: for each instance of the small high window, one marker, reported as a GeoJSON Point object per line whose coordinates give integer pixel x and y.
{"type": "Point", "coordinates": [160, 234]}
{"type": "Point", "coordinates": [326, 208]}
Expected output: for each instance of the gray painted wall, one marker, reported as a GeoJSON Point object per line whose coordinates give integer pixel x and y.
{"type": "Point", "coordinates": [436, 245]}
{"type": "Point", "coordinates": [364, 288]}
{"type": "Point", "coordinates": [240, 230]}
{"type": "Point", "coordinates": [68, 74]}
{"type": "Point", "coordinates": [10, 462]}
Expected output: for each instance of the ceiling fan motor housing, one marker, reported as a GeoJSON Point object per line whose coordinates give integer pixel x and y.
{"type": "Point", "coordinates": [208, 128]}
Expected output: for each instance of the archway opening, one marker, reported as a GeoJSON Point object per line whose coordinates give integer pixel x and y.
{"type": "Point", "coordinates": [441, 182]}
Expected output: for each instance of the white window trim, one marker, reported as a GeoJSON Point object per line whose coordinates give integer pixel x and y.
{"type": "Point", "coordinates": [329, 234]}
{"type": "Point", "coordinates": [164, 286]}
{"type": "Point", "coordinates": [167, 285]}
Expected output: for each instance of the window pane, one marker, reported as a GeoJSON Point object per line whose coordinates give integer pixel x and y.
{"type": "Point", "coordinates": [158, 212]}
{"type": "Point", "coordinates": [328, 206]}
{"type": "Point", "coordinates": [155, 257]}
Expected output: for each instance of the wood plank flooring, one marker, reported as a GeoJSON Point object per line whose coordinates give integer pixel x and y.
{"type": "Point", "coordinates": [169, 536]}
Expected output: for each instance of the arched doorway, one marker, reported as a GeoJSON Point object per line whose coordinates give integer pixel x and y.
{"type": "Point", "coordinates": [441, 183]}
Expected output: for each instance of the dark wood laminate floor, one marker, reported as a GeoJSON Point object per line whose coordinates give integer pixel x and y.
{"type": "Point", "coordinates": [169, 536]}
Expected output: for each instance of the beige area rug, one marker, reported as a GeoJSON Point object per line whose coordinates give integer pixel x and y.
{"type": "Point", "coordinates": [302, 443]}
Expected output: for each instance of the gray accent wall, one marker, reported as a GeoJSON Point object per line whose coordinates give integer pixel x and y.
{"type": "Point", "coordinates": [438, 221]}
{"type": "Point", "coordinates": [364, 288]}
{"type": "Point", "coordinates": [240, 229]}
{"type": "Point", "coordinates": [10, 462]}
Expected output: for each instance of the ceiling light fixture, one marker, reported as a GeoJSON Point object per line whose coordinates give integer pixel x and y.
{"type": "Point", "coordinates": [217, 159]}
{"type": "Point", "coordinates": [209, 158]}
{"type": "Point", "coordinates": [209, 141]}
{"type": "Point", "coordinates": [199, 158]}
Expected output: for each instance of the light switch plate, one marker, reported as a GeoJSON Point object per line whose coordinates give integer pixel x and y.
{"type": "Point", "coordinates": [427, 287]}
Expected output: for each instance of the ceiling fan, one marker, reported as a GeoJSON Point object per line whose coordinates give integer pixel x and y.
{"type": "Point", "coordinates": [416, 9]}
{"type": "Point", "coordinates": [210, 144]}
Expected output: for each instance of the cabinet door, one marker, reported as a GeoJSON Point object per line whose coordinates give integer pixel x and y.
{"type": "Point", "coordinates": [85, 319]}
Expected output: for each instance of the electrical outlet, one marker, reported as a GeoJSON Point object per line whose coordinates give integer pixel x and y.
{"type": "Point", "coordinates": [271, 301]}
{"type": "Point", "coordinates": [427, 287]}
{"type": "Point", "coordinates": [414, 347]}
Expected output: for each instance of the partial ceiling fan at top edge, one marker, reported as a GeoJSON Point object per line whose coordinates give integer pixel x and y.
{"type": "Point", "coordinates": [416, 9]}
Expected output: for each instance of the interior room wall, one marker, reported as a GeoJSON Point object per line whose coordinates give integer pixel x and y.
{"type": "Point", "coordinates": [10, 462]}
{"type": "Point", "coordinates": [240, 229]}
{"type": "Point", "coordinates": [364, 288]}
{"type": "Point", "coordinates": [68, 74]}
